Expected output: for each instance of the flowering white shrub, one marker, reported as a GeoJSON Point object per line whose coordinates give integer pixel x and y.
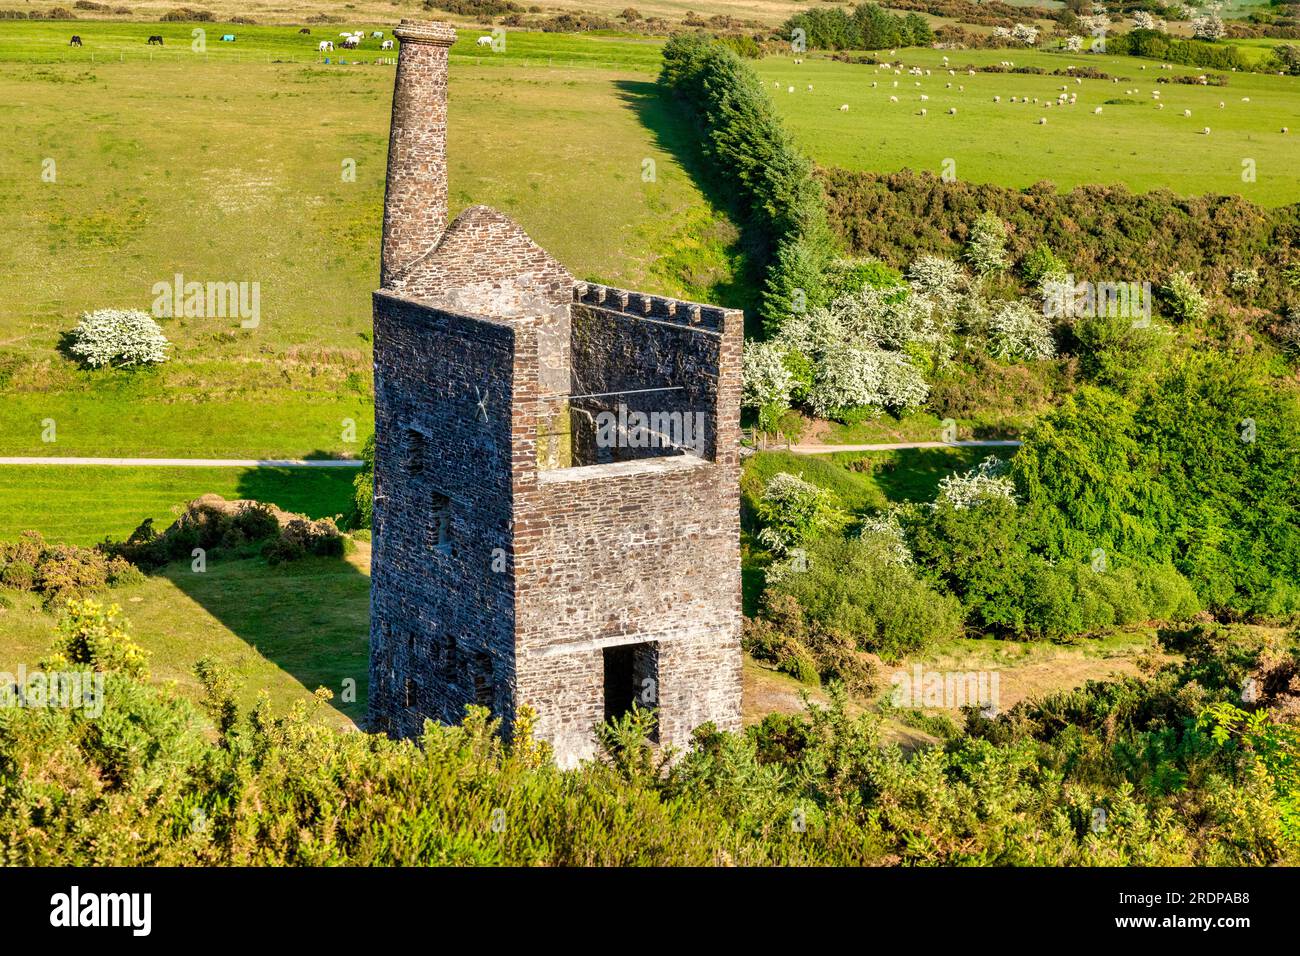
{"type": "Point", "coordinates": [793, 510]}
{"type": "Point", "coordinates": [1025, 34]}
{"type": "Point", "coordinates": [985, 482]}
{"type": "Point", "coordinates": [987, 246]}
{"type": "Point", "coordinates": [1209, 27]}
{"type": "Point", "coordinates": [886, 533]}
{"type": "Point", "coordinates": [118, 337]}
{"type": "Point", "coordinates": [766, 382]}
{"type": "Point", "coordinates": [1143, 21]}
{"type": "Point", "coordinates": [851, 376]}
{"type": "Point", "coordinates": [1097, 24]}
{"type": "Point", "coordinates": [939, 278]}
{"type": "Point", "coordinates": [1074, 43]}
{"type": "Point", "coordinates": [1020, 331]}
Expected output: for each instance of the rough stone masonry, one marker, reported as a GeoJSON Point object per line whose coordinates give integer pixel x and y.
{"type": "Point", "coordinates": [519, 558]}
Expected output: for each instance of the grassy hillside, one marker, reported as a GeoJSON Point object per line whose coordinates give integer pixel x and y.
{"type": "Point", "coordinates": [83, 505]}
{"type": "Point", "coordinates": [1130, 142]}
{"type": "Point", "coordinates": [230, 166]}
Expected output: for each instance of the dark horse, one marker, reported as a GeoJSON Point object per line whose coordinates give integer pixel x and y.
{"type": "Point", "coordinates": [304, 30]}
{"type": "Point", "coordinates": [75, 41]}
{"type": "Point", "coordinates": [155, 39]}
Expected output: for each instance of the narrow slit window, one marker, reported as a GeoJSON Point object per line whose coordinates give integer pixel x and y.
{"type": "Point", "coordinates": [414, 452]}
{"type": "Point", "coordinates": [440, 522]}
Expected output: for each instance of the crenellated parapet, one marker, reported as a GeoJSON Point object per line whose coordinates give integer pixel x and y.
{"type": "Point", "coordinates": [709, 318]}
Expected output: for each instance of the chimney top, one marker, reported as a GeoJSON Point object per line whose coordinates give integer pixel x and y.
{"type": "Point", "coordinates": [425, 31]}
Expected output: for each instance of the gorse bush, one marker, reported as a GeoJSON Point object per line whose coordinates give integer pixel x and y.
{"type": "Point", "coordinates": [118, 337]}
{"type": "Point", "coordinates": [1103, 232]}
{"type": "Point", "coordinates": [148, 783]}
{"type": "Point", "coordinates": [61, 572]}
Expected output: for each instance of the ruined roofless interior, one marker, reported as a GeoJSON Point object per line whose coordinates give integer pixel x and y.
{"type": "Point", "coordinates": [556, 518]}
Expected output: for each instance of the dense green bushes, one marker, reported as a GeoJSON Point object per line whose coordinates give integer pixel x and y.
{"type": "Point", "coordinates": [1197, 471]}
{"type": "Point", "coordinates": [868, 26]}
{"type": "Point", "coordinates": [145, 784]}
{"type": "Point", "coordinates": [211, 523]}
{"type": "Point", "coordinates": [774, 182]}
{"type": "Point", "coordinates": [1160, 46]}
{"type": "Point", "coordinates": [1105, 233]}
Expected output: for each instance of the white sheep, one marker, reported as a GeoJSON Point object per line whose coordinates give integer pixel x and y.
{"type": "Point", "coordinates": [923, 112]}
{"type": "Point", "coordinates": [893, 99]}
{"type": "Point", "coordinates": [1160, 106]}
{"type": "Point", "coordinates": [952, 111]}
{"type": "Point", "coordinates": [1245, 99]}
{"type": "Point", "coordinates": [924, 98]}
{"type": "Point", "coordinates": [1222, 104]}
{"type": "Point", "coordinates": [1284, 129]}
{"type": "Point", "coordinates": [873, 84]}
{"type": "Point", "coordinates": [844, 107]}
{"type": "Point", "coordinates": [789, 89]}
{"type": "Point", "coordinates": [1096, 111]}
{"type": "Point", "coordinates": [1206, 131]}
{"type": "Point", "coordinates": [809, 87]}
{"type": "Point", "coordinates": [1042, 121]}
{"type": "Point", "coordinates": [1187, 112]}
{"type": "Point", "coordinates": [997, 99]}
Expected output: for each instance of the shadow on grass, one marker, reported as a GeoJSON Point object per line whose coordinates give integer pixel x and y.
{"type": "Point", "coordinates": [676, 132]}
{"type": "Point", "coordinates": [914, 474]}
{"type": "Point", "coordinates": [310, 618]}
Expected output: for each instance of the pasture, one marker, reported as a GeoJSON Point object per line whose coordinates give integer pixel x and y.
{"type": "Point", "coordinates": [1130, 141]}
{"type": "Point", "coordinates": [224, 167]}
{"type": "Point", "coordinates": [83, 505]}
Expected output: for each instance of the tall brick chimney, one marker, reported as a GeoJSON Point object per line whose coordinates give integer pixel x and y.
{"type": "Point", "coordinates": [415, 197]}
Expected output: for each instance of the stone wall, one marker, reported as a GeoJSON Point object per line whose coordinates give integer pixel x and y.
{"type": "Point", "coordinates": [442, 617]}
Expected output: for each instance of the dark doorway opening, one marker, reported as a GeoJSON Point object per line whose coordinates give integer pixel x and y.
{"type": "Point", "coordinates": [632, 678]}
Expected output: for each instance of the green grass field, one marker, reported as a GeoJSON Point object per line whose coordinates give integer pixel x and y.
{"type": "Point", "coordinates": [282, 631]}
{"type": "Point", "coordinates": [83, 505]}
{"type": "Point", "coordinates": [236, 165]}
{"type": "Point", "coordinates": [1130, 142]}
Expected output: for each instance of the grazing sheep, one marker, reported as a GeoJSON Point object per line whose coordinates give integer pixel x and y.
{"type": "Point", "coordinates": [924, 98]}
{"type": "Point", "coordinates": [893, 99]}
{"type": "Point", "coordinates": [1284, 129]}
{"type": "Point", "coordinates": [386, 45]}
{"type": "Point", "coordinates": [809, 87]}
{"type": "Point", "coordinates": [997, 99]}
{"type": "Point", "coordinates": [1206, 131]}
{"type": "Point", "coordinates": [1096, 111]}
{"type": "Point", "coordinates": [961, 89]}
{"type": "Point", "coordinates": [1221, 104]}
{"type": "Point", "coordinates": [844, 107]}
{"type": "Point", "coordinates": [873, 84]}
{"type": "Point", "coordinates": [952, 111]}
{"type": "Point", "coordinates": [1078, 81]}
{"type": "Point", "coordinates": [1245, 99]}
{"type": "Point", "coordinates": [1160, 106]}
{"type": "Point", "coordinates": [1042, 121]}
{"type": "Point", "coordinates": [1187, 112]}
{"type": "Point", "coordinates": [789, 89]}
{"type": "Point", "coordinates": [947, 86]}
{"type": "Point", "coordinates": [922, 113]}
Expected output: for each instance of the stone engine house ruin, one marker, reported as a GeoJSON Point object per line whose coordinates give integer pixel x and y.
{"type": "Point", "coordinates": [557, 468]}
